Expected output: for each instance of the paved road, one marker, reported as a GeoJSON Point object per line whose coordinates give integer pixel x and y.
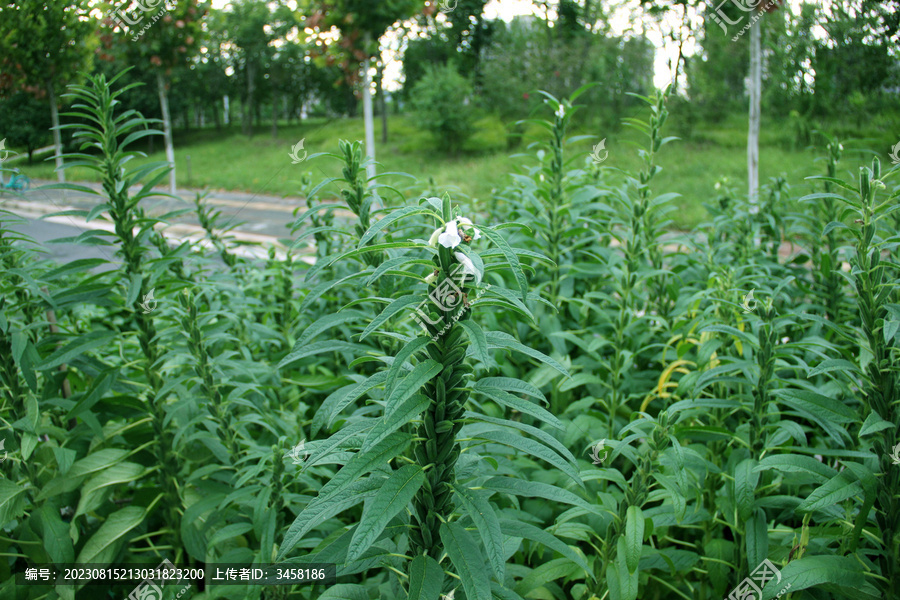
{"type": "Point", "coordinates": [255, 218]}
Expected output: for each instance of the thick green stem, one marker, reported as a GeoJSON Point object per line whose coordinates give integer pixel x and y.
{"type": "Point", "coordinates": [437, 449]}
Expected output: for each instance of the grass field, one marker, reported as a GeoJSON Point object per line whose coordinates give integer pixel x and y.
{"type": "Point", "coordinates": [228, 160]}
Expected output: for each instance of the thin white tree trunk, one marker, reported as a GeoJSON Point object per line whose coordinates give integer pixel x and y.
{"type": "Point", "coordinates": [753, 135]}
{"type": "Point", "coordinates": [57, 138]}
{"type": "Point", "coordinates": [167, 129]}
{"type": "Point", "coordinates": [369, 121]}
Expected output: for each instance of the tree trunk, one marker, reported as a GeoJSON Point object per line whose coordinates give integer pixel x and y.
{"type": "Point", "coordinates": [368, 120]}
{"type": "Point", "coordinates": [167, 128]}
{"type": "Point", "coordinates": [274, 110]}
{"type": "Point", "coordinates": [57, 138]}
{"type": "Point", "coordinates": [382, 102]}
{"type": "Point", "coordinates": [275, 119]}
{"type": "Point", "coordinates": [248, 123]}
{"type": "Point", "coordinates": [753, 135]}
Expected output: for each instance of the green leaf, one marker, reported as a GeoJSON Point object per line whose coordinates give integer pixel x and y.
{"type": "Point", "coordinates": [516, 403]}
{"type": "Point", "coordinates": [12, 501]}
{"type": "Point", "coordinates": [393, 496]}
{"type": "Point", "coordinates": [734, 332]}
{"type": "Point", "coordinates": [757, 537]}
{"type": "Point", "coordinates": [316, 292]}
{"type": "Point", "coordinates": [423, 372]}
{"type": "Point", "coordinates": [745, 480]}
{"type": "Point", "coordinates": [545, 573]}
{"type": "Point", "coordinates": [393, 263]}
{"type": "Point", "coordinates": [402, 356]}
{"type": "Point", "coordinates": [228, 532]}
{"type": "Point", "coordinates": [797, 463]}
{"type": "Point", "coordinates": [397, 418]}
{"type": "Point", "coordinates": [119, 473]}
{"type": "Point", "coordinates": [837, 489]}
{"type": "Point", "coordinates": [340, 399]}
{"type": "Point", "coordinates": [467, 561]}
{"type": "Point", "coordinates": [511, 259]}
{"type": "Point", "coordinates": [330, 501]}
{"type": "Point", "coordinates": [426, 578]}
{"type": "Point", "coordinates": [477, 340]}
{"type": "Point", "coordinates": [393, 308]}
{"type": "Point", "coordinates": [532, 448]}
{"type": "Point", "coordinates": [497, 339]}
{"type": "Point", "coordinates": [301, 352]}
{"type": "Point", "coordinates": [622, 585]}
{"type": "Point", "coordinates": [540, 434]}
{"type": "Point", "coordinates": [326, 323]}
{"type": "Point", "coordinates": [833, 364]}
{"type": "Point", "coordinates": [634, 537]}
{"type": "Point", "coordinates": [320, 509]}
{"type": "Point", "coordinates": [323, 263]}
{"type": "Point", "coordinates": [525, 530]}
{"type": "Point", "coordinates": [873, 424]}
{"type": "Point", "coordinates": [512, 385]}
{"type": "Point", "coordinates": [83, 343]}
{"type": "Point", "coordinates": [345, 591]}
{"type": "Point", "coordinates": [102, 547]}
{"type": "Point", "coordinates": [817, 406]}
{"type": "Point", "coordinates": [97, 461]}
{"type": "Point", "coordinates": [520, 487]}
{"type": "Point", "coordinates": [392, 217]}
{"type": "Point", "coordinates": [488, 526]}
{"type": "Point", "coordinates": [810, 571]}
{"type": "Point", "coordinates": [55, 535]}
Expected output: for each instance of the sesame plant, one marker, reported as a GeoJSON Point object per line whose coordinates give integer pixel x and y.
{"type": "Point", "coordinates": [552, 394]}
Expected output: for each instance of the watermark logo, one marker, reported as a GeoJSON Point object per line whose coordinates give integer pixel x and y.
{"type": "Point", "coordinates": [751, 587]}
{"type": "Point", "coordinates": [723, 20]}
{"type": "Point", "coordinates": [445, 6]}
{"type": "Point", "coordinates": [595, 155]}
{"type": "Point", "coordinates": [149, 303]}
{"type": "Point", "coordinates": [448, 296]}
{"type": "Point", "coordinates": [127, 17]}
{"type": "Point", "coordinates": [4, 153]}
{"type": "Point", "coordinates": [597, 452]}
{"type": "Point", "coordinates": [745, 305]}
{"type": "Point", "coordinates": [895, 455]}
{"type": "Point", "coordinates": [5, 453]}
{"type": "Point", "coordinates": [294, 154]}
{"type": "Point", "coordinates": [894, 153]}
{"type": "Point", "coordinates": [297, 451]}
{"type": "Point", "coordinates": [149, 589]}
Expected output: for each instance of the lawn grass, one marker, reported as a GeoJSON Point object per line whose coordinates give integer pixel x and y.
{"type": "Point", "coordinates": [228, 160]}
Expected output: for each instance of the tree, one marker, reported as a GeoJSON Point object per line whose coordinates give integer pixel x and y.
{"type": "Point", "coordinates": [161, 40]}
{"type": "Point", "coordinates": [360, 24]}
{"type": "Point", "coordinates": [43, 46]}
{"type": "Point", "coordinates": [246, 23]}
{"type": "Point", "coordinates": [24, 121]}
{"type": "Point", "coordinates": [440, 100]}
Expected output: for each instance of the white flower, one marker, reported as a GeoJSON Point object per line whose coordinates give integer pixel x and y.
{"type": "Point", "coordinates": [464, 221]}
{"type": "Point", "coordinates": [466, 262]}
{"type": "Point", "coordinates": [468, 266]}
{"type": "Point", "coordinates": [561, 111]}
{"type": "Point", "coordinates": [450, 238]}
{"type": "Point", "coordinates": [430, 278]}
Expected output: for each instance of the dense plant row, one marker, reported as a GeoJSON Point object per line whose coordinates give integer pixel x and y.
{"type": "Point", "coordinates": [550, 396]}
